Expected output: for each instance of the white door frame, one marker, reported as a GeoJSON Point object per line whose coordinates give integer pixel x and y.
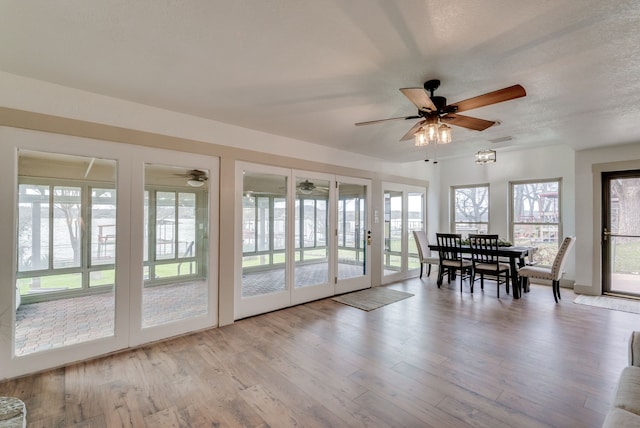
{"type": "Point", "coordinates": [318, 291]}
{"type": "Point", "coordinates": [405, 272]}
{"type": "Point", "coordinates": [129, 268]}
{"type": "Point", "coordinates": [363, 281]}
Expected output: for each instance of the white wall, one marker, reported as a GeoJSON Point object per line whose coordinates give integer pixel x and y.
{"type": "Point", "coordinates": [589, 164]}
{"type": "Point", "coordinates": [541, 163]}
{"type": "Point", "coordinates": [27, 94]}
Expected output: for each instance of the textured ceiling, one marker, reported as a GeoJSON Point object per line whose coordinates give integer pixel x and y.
{"type": "Point", "coordinates": [311, 69]}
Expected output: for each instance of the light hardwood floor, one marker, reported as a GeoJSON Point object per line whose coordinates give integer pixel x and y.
{"type": "Point", "coordinates": [438, 359]}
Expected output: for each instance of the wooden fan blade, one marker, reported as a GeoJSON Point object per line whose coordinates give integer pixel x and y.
{"type": "Point", "coordinates": [410, 134]}
{"type": "Point", "coordinates": [506, 94]}
{"type": "Point", "coordinates": [467, 121]}
{"type": "Point", "coordinates": [420, 98]}
{"type": "Point", "coordinates": [371, 122]}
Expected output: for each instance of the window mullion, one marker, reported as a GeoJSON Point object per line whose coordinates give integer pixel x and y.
{"type": "Point", "coordinates": [51, 226]}
{"type": "Point", "coordinates": [176, 218]}
{"type": "Point", "coordinates": [85, 238]}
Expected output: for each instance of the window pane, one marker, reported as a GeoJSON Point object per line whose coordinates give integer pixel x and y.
{"type": "Point", "coordinates": [165, 225]}
{"type": "Point", "coordinates": [536, 202]}
{"type": "Point", "coordinates": [393, 214]}
{"type": "Point", "coordinates": [471, 204]}
{"type": "Point", "coordinates": [175, 277]}
{"type": "Point", "coordinates": [416, 222]}
{"type": "Point", "coordinates": [67, 228]}
{"type": "Point", "coordinates": [33, 227]}
{"type": "Point", "coordinates": [187, 224]}
{"type": "Point", "coordinates": [101, 278]}
{"type": "Point", "coordinates": [60, 215]}
{"type": "Point", "coordinates": [103, 226]}
{"type": "Point", "coordinates": [543, 237]}
{"type": "Point", "coordinates": [536, 216]}
{"type": "Point", "coordinates": [466, 229]}
{"type": "Point", "coordinates": [145, 245]}
{"type": "Point", "coordinates": [248, 224]}
{"type": "Point", "coordinates": [264, 272]}
{"type": "Point", "coordinates": [263, 224]}
{"type": "Point", "coordinates": [351, 230]}
{"type": "Point", "coordinates": [312, 261]}
{"type": "Point", "coordinates": [50, 283]}
{"type": "Point", "coordinates": [322, 222]}
{"type": "Point", "coordinates": [471, 210]}
{"type": "Point", "coordinates": [279, 223]}
{"type": "Point", "coordinates": [309, 223]}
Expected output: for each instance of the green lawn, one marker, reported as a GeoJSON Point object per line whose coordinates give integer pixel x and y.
{"type": "Point", "coordinates": [627, 257]}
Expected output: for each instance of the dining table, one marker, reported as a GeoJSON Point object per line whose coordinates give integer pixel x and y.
{"type": "Point", "coordinates": [517, 256]}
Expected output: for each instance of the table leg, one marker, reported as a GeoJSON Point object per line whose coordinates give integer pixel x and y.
{"type": "Point", "coordinates": [525, 283]}
{"type": "Point", "coordinates": [515, 281]}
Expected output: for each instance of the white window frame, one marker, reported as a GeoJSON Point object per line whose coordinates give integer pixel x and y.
{"type": "Point", "coordinates": [454, 223]}
{"type": "Point", "coordinates": [513, 223]}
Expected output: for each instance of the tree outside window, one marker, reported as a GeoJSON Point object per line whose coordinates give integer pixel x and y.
{"type": "Point", "coordinates": [535, 217]}
{"type": "Point", "coordinates": [470, 209]}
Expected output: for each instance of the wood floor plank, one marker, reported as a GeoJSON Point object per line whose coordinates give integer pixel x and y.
{"type": "Point", "coordinates": [440, 358]}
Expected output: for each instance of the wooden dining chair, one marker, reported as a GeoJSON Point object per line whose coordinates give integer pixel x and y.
{"type": "Point", "coordinates": [450, 258]}
{"type": "Point", "coordinates": [485, 261]}
{"type": "Point", "coordinates": [554, 273]}
{"type": "Point", "coordinates": [424, 252]}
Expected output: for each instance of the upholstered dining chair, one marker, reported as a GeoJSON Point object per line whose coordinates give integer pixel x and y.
{"type": "Point", "coordinates": [424, 252]}
{"type": "Point", "coordinates": [450, 258]}
{"type": "Point", "coordinates": [486, 263]}
{"type": "Point", "coordinates": [554, 273]}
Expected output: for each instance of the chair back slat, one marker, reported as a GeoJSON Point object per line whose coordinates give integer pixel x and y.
{"type": "Point", "coordinates": [481, 246]}
{"type": "Point", "coordinates": [449, 244]}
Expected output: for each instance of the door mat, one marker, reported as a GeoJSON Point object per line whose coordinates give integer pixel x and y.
{"type": "Point", "coordinates": [372, 298]}
{"type": "Point", "coordinates": [614, 303]}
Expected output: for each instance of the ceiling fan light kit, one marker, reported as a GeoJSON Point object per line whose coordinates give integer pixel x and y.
{"type": "Point", "coordinates": [485, 156]}
{"type": "Point", "coordinates": [434, 110]}
{"type": "Point", "coordinates": [195, 177]}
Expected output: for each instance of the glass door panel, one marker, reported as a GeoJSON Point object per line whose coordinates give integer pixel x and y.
{"type": "Point", "coordinates": [264, 199]}
{"type": "Point", "coordinates": [393, 226]}
{"type": "Point", "coordinates": [175, 251]}
{"type": "Point", "coordinates": [415, 221]}
{"type": "Point", "coordinates": [264, 232]}
{"type": "Point", "coordinates": [353, 235]}
{"type": "Point", "coordinates": [311, 232]}
{"type": "Point", "coordinates": [621, 232]}
{"type": "Point", "coordinates": [403, 213]}
{"type": "Point", "coordinates": [66, 268]}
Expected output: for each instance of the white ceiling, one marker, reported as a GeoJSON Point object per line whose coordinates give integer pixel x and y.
{"type": "Point", "coordinates": [311, 69]}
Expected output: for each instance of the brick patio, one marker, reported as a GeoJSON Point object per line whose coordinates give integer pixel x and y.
{"type": "Point", "coordinates": [63, 322]}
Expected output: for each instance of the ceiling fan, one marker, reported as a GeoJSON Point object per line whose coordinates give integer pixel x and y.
{"type": "Point", "coordinates": [306, 187]}
{"type": "Point", "coordinates": [434, 109]}
{"type": "Point", "coordinates": [195, 177]}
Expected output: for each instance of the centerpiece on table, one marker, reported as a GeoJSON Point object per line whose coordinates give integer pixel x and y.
{"type": "Point", "coordinates": [501, 242]}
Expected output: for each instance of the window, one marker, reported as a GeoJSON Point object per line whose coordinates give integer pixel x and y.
{"type": "Point", "coordinates": [174, 239]}
{"type": "Point", "coordinates": [264, 231]}
{"type": "Point", "coordinates": [66, 227]}
{"type": "Point", "coordinates": [535, 217]}
{"type": "Point", "coordinates": [470, 209]}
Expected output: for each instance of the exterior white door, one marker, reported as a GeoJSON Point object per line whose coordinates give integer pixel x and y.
{"type": "Point", "coordinates": [621, 232]}
{"type": "Point", "coordinates": [404, 212]}
{"type": "Point", "coordinates": [353, 261]}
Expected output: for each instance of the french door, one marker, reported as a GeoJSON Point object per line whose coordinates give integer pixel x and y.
{"type": "Point", "coordinates": [113, 246]}
{"type": "Point", "coordinates": [353, 261]}
{"type": "Point", "coordinates": [303, 237]}
{"type": "Point", "coordinates": [621, 232]}
{"type": "Point", "coordinates": [404, 208]}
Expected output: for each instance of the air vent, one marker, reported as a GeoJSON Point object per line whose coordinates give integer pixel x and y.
{"type": "Point", "coordinates": [501, 140]}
